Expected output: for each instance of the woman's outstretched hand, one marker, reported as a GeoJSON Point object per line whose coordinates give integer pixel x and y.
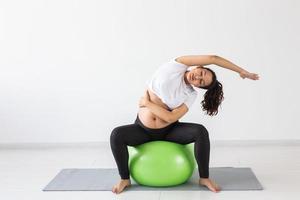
{"type": "Point", "coordinates": [144, 99]}
{"type": "Point", "coordinates": [246, 74]}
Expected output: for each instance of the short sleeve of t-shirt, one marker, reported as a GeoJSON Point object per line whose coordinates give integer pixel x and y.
{"type": "Point", "coordinates": [190, 99]}
{"type": "Point", "coordinates": [169, 85]}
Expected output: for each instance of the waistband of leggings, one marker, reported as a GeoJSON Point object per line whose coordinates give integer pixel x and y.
{"type": "Point", "coordinates": [154, 130]}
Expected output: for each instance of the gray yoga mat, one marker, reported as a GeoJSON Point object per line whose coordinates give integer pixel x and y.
{"type": "Point", "coordinates": [103, 179]}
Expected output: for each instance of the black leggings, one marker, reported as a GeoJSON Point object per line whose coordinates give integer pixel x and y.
{"type": "Point", "coordinates": [178, 132]}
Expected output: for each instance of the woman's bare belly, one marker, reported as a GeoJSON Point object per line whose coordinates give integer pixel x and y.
{"type": "Point", "coordinates": [148, 118]}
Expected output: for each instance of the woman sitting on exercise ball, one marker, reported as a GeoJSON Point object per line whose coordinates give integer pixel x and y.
{"type": "Point", "coordinates": [168, 97]}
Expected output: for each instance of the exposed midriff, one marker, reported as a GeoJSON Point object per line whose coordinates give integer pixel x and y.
{"type": "Point", "coordinates": [148, 118]}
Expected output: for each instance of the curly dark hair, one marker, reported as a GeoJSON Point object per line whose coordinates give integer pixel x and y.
{"type": "Point", "coordinates": [213, 97]}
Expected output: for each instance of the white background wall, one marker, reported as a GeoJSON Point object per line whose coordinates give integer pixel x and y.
{"type": "Point", "coordinates": [71, 71]}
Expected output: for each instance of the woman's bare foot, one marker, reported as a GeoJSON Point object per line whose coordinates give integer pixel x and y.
{"type": "Point", "coordinates": [119, 187]}
{"type": "Point", "coordinates": [210, 184]}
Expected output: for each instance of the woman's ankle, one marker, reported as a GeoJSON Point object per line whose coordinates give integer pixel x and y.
{"type": "Point", "coordinates": [204, 178]}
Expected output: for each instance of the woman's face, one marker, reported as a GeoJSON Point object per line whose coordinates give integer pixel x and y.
{"type": "Point", "coordinates": [199, 77]}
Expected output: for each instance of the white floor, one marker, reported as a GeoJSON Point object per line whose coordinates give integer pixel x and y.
{"type": "Point", "coordinates": [25, 171]}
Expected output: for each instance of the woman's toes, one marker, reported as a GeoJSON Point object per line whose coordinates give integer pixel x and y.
{"type": "Point", "coordinates": [114, 189]}
{"type": "Point", "coordinates": [217, 188]}
{"type": "Point", "coordinates": [212, 188]}
{"type": "Point", "coordinates": [118, 188]}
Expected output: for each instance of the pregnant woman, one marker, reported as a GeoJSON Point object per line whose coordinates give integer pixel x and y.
{"type": "Point", "coordinates": [169, 96]}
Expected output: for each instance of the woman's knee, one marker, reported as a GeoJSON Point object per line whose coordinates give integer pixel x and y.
{"type": "Point", "coordinates": [201, 131]}
{"type": "Point", "coordinates": [116, 135]}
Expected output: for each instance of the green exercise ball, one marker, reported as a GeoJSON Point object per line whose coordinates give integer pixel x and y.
{"type": "Point", "coordinates": [161, 163]}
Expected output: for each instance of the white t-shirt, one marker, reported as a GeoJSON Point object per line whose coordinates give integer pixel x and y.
{"type": "Point", "coordinates": [169, 85]}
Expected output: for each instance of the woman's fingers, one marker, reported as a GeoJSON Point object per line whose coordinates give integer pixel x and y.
{"type": "Point", "coordinates": [255, 76]}
{"type": "Point", "coordinates": [252, 76]}
{"type": "Point", "coordinates": [244, 74]}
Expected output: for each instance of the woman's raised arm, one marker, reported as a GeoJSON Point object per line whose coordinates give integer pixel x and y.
{"type": "Point", "coordinates": [202, 60]}
{"type": "Point", "coordinates": [194, 60]}
{"type": "Point", "coordinates": [222, 62]}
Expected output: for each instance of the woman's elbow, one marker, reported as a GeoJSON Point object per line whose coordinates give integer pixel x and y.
{"type": "Point", "coordinates": [214, 57]}
{"type": "Point", "coordinates": [171, 119]}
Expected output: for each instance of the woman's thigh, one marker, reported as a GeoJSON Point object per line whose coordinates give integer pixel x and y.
{"type": "Point", "coordinates": [185, 132]}
{"type": "Point", "coordinates": [131, 134]}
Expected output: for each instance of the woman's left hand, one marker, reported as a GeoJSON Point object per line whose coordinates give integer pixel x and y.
{"type": "Point", "coordinates": [246, 74]}
{"type": "Point", "coordinates": [145, 99]}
